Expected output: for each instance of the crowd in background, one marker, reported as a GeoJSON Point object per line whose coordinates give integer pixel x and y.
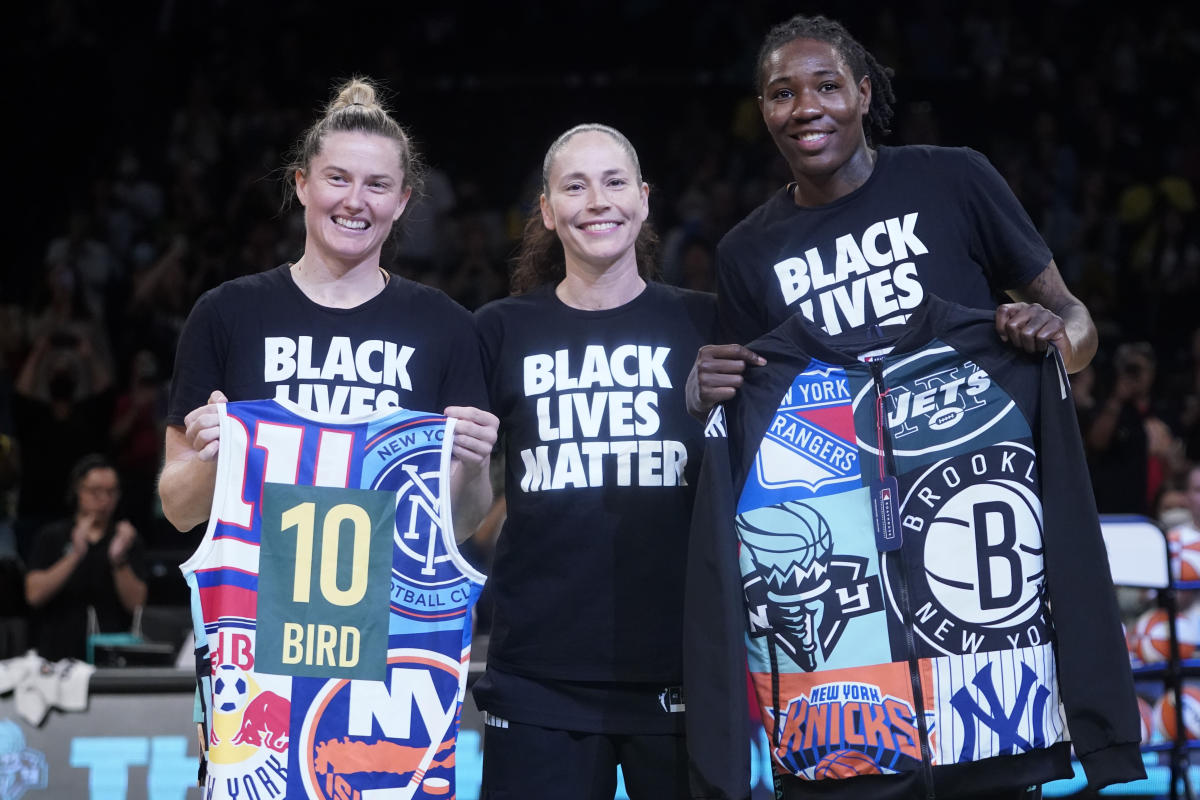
{"type": "Point", "coordinates": [153, 136]}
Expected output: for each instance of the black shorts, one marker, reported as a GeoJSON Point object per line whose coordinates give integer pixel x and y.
{"type": "Point", "coordinates": [528, 762]}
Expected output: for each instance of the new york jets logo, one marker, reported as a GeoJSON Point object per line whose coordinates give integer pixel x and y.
{"type": "Point", "coordinates": [936, 405]}
{"type": "Point", "coordinates": [973, 541]}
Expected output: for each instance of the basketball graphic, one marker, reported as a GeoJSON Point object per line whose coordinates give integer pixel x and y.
{"type": "Point", "coordinates": [983, 553]}
{"type": "Point", "coordinates": [1164, 713]}
{"type": "Point", "coordinates": [1152, 636]}
{"type": "Point", "coordinates": [845, 764]}
{"type": "Point", "coordinates": [1183, 541]}
{"type": "Point", "coordinates": [791, 544]}
{"type": "Point", "coordinates": [1146, 715]}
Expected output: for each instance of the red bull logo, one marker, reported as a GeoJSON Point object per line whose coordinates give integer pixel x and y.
{"type": "Point", "coordinates": [265, 722]}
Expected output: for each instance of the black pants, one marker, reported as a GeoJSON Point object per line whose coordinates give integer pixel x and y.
{"type": "Point", "coordinates": [525, 762]}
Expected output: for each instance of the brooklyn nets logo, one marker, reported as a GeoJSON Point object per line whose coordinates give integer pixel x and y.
{"type": "Point", "coordinates": [973, 543]}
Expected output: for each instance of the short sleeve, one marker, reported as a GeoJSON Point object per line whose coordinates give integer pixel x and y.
{"type": "Point", "coordinates": [199, 360]}
{"type": "Point", "coordinates": [462, 381]}
{"type": "Point", "coordinates": [740, 316]}
{"type": "Point", "coordinates": [1011, 249]}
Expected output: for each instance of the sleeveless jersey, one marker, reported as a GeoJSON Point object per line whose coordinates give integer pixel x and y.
{"type": "Point", "coordinates": [331, 607]}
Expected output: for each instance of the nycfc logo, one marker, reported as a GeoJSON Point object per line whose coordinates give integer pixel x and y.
{"type": "Point", "coordinates": [800, 590]}
{"type": "Point", "coordinates": [419, 518]}
{"type": "Point", "coordinates": [975, 521]}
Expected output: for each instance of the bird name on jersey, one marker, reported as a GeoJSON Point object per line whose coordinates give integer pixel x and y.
{"type": "Point", "coordinates": [351, 378]}
{"type": "Point", "coordinates": [976, 520]}
{"type": "Point", "coordinates": [872, 279]}
{"type": "Point", "coordinates": [601, 416]}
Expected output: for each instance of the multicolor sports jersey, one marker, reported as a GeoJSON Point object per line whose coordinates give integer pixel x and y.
{"type": "Point", "coordinates": [904, 524]}
{"type": "Point", "coordinates": [332, 609]}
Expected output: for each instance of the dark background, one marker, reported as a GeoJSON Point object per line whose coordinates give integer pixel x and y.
{"type": "Point", "coordinates": [150, 139]}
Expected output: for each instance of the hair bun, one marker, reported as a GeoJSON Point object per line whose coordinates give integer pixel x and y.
{"type": "Point", "coordinates": [354, 92]}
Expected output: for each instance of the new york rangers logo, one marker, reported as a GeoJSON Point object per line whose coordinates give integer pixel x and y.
{"type": "Point", "coordinates": [809, 444]}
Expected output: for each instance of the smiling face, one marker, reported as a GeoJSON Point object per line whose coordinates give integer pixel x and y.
{"type": "Point", "coordinates": [352, 193]}
{"type": "Point", "coordinates": [814, 107]}
{"type": "Point", "coordinates": [595, 202]}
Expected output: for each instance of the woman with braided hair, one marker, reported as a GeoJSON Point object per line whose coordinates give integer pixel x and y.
{"type": "Point", "coordinates": [864, 231]}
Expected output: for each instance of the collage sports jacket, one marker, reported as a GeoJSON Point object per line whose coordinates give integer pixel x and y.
{"type": "Point", "coordinates": [895, 533]}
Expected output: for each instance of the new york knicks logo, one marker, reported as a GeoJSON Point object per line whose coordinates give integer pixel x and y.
{"type": "Point", "coordinates": [937, 405]}
{"type": "Point", "coordinates": [797, 589]}
{"type": "Point", "coordinates": [846, 728]}
{"type": "Point", "coordinates": [973, 545]}
{"type": "Point", "coordinates": [392, 738]}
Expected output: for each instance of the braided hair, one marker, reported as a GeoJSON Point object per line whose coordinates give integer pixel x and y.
{"type": "Point", "coordinates": [861, 63]}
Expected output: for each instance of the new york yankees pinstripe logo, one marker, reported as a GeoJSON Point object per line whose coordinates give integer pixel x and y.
{"type": "Point", "coordinates": [1004, 722]}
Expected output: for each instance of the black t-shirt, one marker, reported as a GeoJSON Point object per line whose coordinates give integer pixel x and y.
{"type": "Point", "coordinates": [259, 336]}
{"type": "Point", "coordinates": [929, 220]}
{"type": "Point", "coordinates": [60, 626]}
{"type": "Point", "coordinates": [601, 456]}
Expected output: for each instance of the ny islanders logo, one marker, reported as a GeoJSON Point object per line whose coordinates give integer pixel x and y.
{"type": "Point", "coordinates": [976, 522]}
{"type": "Point", "coordinates": [385, 739]}
{"type": "Point", "coordinates": [809, 447]}
{"type": "Point", "coordinates": [937, 405]}
{"type": "Point", "coordinates": [798, 590]}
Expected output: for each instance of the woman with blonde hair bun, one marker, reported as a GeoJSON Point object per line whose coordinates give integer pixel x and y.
{"type": "Point", "coordinates": [336, 340]}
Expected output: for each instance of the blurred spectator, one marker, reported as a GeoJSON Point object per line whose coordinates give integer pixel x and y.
{"type": "Point", "coordinates": [56, 422]}
{"type": "Point", "coordinates": [88, 560]}
{"type": "Point", "coordinates": [136, 434]}
{"type": "Point", "coordinates": [1131, 449]}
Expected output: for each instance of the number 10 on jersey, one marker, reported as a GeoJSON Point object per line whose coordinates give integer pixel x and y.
{"type": "Point", "coordinates": [324, 581]}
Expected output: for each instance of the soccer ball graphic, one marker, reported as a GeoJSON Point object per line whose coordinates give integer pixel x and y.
{"type": "Point", "coordinates": [229, 689]}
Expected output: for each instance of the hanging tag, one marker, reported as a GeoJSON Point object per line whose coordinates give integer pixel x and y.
{"type": "Point", "coordinates": [885, 513]}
